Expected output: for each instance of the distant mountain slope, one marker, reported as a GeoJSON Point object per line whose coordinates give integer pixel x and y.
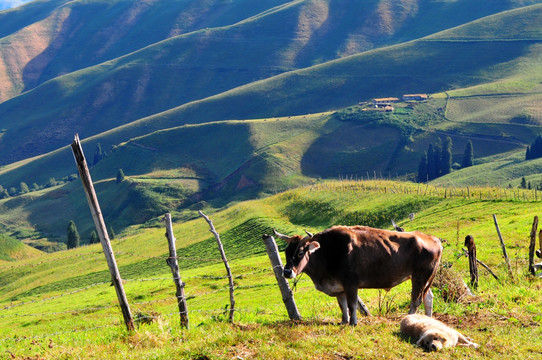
{"type": "Point", "coordinates": [46, 39]}
{"type": "Point", "coordinates": [221, 46]}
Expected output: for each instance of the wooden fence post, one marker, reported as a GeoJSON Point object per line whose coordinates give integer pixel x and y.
{"type": "Point", "coordinates": [102, 231]}
{"type": "Point", "coordinates": [287, 297]}
{"type": "Point", "coordinates": [223, 254]}
{"type": "Point", "coordinates": [469, 243]}
{"type": "Point", "coordinates": [174, 265]}
{"type": "Point", "coordinates": [503, 247]}
{"type": "Point", "coordinates": [532, 245]}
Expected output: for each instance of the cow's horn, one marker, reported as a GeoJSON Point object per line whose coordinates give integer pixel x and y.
{"type": "Point", "coordinates": [281, 236]}
{"type": "Point", "coordinates": [308, 233]}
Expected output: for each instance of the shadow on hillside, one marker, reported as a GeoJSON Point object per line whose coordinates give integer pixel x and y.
{"type": "Point", "coordinates": [351, 149]}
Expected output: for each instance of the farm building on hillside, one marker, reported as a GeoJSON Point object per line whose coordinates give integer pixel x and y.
{"type": "Point", "coordinates": [416, 97]}
{"type": "Point", "coordinates": [385, 101]}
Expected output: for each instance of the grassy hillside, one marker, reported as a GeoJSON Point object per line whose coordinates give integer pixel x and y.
{"type": "Point", "coordinates": [209, 165]}
{"type": "Point", "coordinates": [191, 156]}
{"type": "Point", "coordinates": [42, 40]}
{"type": "Point", "coordinates": [12, 249]}
{"type": "Point", "coordinates": [61, 305]}
{"type": "Point", "coordinates": [210, 61]}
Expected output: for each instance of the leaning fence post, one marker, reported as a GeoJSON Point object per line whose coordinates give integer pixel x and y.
{"type": "Point", "coordinates": [102, 231]}
{"type": "Point", "coordinates": [469, 243]}
{"type": "Point", "coordinates": [287, 297]}
{"type": "Point", "coordinates": [223, 254]}
{"type": "Point", "coordinates": [174, 265]}
{"type": "Point", "coordinates": [503, 247]}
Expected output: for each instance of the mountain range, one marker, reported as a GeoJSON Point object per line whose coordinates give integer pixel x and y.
{"type": "Point", "coordinates": [205, 102]}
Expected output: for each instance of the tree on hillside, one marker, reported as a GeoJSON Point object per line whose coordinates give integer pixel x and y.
{"type": "Point", "coordinates": [437, 161]}
{"type": "Point", "coordinates": [468, 155]}
{"type": "Point", "coordinates": [111, 233]}
{"type": "Point", "coordinates": [98, 154]}
{"type": "Point", "coordinates": [422, 169]}
{"type": "Point", "coordinates": [120, 176]}
{"type": "Point", "coordinates": [4, 194]}
{"type": "Point", "coordinates": [73, 235]}
{"type": "Point", "coordinates": [24, 188]}
{"type": "Point", "coordinates": [446, 157]}
{"type": "Point", "coordinates": [94, 239]}
{"type": "Point", "coordinates": [432, 168]}
{"type": "Point", "coordinates": [523, 183]}
{"type": "Point", "coordinates": [52, 182]}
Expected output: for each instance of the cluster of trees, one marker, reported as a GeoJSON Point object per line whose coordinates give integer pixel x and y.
{"type": "Point", "coordinates": [74, 239]}
{"type": "Point", "coordinates": [535, 150]}
{"type": "Point", "coordinates": [24, 188]}
{"type": "Point", "coordinates": [437, 160]}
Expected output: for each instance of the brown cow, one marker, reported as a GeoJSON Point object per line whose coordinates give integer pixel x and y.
{"type": "Point", "coordinates": [343, 259]}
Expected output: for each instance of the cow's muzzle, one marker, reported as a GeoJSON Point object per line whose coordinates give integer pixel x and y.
{"type": "Point", "coordinates": [288, 273]}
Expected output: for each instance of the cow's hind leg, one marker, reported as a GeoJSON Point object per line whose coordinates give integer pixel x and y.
{"type": "Point", "coordinates": [352, 299]}
{"type": "Point", "coordinates": [428, 302]}
{"type": "Point", "coordinates": [343, 304]}
{"type": "Point", "coordinates": [417, 294]}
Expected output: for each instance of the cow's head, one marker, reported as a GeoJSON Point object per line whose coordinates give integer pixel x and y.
{"type": "Point", "coordinates": [297, 253]}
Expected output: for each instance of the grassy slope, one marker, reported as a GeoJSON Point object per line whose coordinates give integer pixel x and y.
{"type": "Point", "coordinates": [108, 29]}
{"type": "Point", "coordinates": [119, 91]}
{"type": "Point", "coordinates": [335, 78]}
{"type": "Point", "coordinates": [264, 164]}
{"type": "Point", "coordinates": [12, 249]}
{"type": "Point", "coordinates": [503, 317]}
{"type": "Point", "coordinates": [187, 166]}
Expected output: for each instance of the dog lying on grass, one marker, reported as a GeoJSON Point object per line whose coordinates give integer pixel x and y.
{"type": "Point", "coordinates": [432, 334]}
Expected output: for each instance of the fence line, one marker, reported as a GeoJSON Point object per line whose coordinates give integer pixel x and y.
{"type": "Point", "coordinates": [384, 185]}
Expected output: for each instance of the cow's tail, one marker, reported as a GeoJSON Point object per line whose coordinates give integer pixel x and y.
{"type": "Point", "coordinates": [434, 273]}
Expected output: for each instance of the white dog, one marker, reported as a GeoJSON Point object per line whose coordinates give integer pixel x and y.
{"type": "Point", "coordinates": [432, 334]}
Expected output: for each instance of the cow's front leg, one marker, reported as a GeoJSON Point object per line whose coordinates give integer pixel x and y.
{"type": "Point", "coordinates": [343, 304]}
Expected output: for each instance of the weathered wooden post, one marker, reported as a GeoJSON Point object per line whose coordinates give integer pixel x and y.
{"type": "Point", "coordinates": [276, 263]}
{"type": "Point", "coordinates": [174, 265]}
{"type": "Point", "coordinates": [469, 243]}
{"type": "Point", "coordinates": [532, 245]}
{"type": "Point", "coordinates": [102, 231]}
{"type": "Point", "coordinates": [223, 254]}
{"type": "Point", "coordinates": [503, 247]}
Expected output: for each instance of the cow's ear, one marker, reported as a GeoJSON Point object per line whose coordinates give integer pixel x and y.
{"type": "Point", "coordinates": [313, 246]}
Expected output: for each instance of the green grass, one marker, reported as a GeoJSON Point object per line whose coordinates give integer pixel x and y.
{"type": "Point", "coordinates": [84, 322]}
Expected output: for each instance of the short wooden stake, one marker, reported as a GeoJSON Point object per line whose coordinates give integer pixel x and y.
{"type": "Point", "coordinates": [532, 245]}
{"type": "Point", "coordinates": [276, 263]}
{"type": "Point", "coordinates": [223, 254]}
{"type": "Point", "coordinates": [503, 247]}
{"type": "Point", "coordinates": [102, 231]}
{"type": "Point", "coordinates": [469, 243]}
{"type": "Point", "coordinates": [174, 265]}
